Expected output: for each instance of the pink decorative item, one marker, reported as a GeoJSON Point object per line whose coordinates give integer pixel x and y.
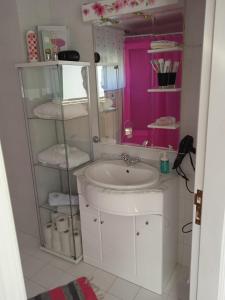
{"type": "Point", "coordinates": [108, 8]}
{"type": "Point", "coordinates": [32, 46]}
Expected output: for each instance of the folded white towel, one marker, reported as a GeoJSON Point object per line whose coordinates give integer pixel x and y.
{"type": "Point", "coordinates": [53, 110]}
{"type": "Point", "coordinates": [165, 121]}
{"type": "Point", "coordinates": [105, 104]}
{"type": "Point", "coordinates": [56, 156]}
{"type": "Point", "coordinates": [57, 199]}
{"type": "Point", "coordinates": [163, 44]}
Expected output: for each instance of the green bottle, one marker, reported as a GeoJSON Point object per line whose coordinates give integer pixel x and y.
{"type": "Point", "coordinates": [164, 164]}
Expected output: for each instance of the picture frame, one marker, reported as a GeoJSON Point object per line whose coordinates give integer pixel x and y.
{"type": "Point", "coordinates": [52, 39]}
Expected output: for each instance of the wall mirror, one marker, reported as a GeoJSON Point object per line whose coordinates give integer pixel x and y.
{"type": "Point", "coordinates": [139, 77]}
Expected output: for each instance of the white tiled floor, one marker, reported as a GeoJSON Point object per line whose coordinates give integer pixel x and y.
{"type": "Point", "coordinates": [43, 271]}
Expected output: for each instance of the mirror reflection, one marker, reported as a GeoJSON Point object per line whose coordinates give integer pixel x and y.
{"type": "Point", "coordinates": [139, 78]}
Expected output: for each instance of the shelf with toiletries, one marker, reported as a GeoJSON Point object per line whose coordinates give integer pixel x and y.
{"type": "Point", "coordinates": [56, 108]}
{"type": "Point", "coordinates": [164, 90]}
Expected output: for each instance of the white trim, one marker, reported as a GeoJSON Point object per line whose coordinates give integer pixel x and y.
{"type": "Point", "coordinates": [51, 63]}
{"type": "Point", "coordinates": [11, 275]}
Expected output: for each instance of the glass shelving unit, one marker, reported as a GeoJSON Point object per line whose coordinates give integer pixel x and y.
{"type": "Point", "coordinates": [56, 108]}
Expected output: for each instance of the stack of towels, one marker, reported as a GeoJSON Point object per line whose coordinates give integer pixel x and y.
{"type": "Point", "coordinates": [162, 44]}
{"type": "Point", "coordinates": [61, 110]}
{"type": "Point", "coordinates": [56, 156]}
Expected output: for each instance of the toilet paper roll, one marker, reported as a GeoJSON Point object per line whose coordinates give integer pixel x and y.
{"type": "Point", "coordinates": [76, 222]}
{"type": "Point", "coordinates": [54, 216]}
{"type": "Point", "coordinates": [62, 223]}
{"type": "Point", "coordinates": [65, 243]}
{"type": "Point", "coordinates": [48, 235]}
{"type": "Point", "coordinates": [56, 244]}
{"type": "Point", "coordinates": [76, 241]}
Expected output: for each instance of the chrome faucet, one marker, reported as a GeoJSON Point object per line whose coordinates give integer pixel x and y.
{"type": "Point", "coordinates": [129, 160]}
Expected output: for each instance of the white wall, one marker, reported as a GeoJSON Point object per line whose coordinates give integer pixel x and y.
{"type": "Point", "coordinates": [12, 127]}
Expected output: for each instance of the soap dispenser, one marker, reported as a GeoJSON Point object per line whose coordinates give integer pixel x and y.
{"type": "Point", "coordinates": [164, 163]}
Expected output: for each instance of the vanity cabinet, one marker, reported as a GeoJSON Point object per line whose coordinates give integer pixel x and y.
{"type": "Point", "coordinates": [139, 248]}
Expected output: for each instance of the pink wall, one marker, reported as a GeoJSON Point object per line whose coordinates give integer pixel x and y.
{"type": "Point", "coordinates": [141, 107]}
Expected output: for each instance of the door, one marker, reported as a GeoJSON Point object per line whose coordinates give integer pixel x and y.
{"type": "Point", "coordinates": [201, 136]}
{"type": "Point", "coordinates": [118, 244]}
{"type": "Point", "coordinates": [149, 251]}
{"type": "Point", "coordinates": [211, 284]}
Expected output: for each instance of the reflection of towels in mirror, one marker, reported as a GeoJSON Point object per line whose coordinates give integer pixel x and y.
{"type": "Point", "coordinates": [105, 104]}
{"type": "Point", "coordinates": [53, 110]}
{"type": "Point", "coordinates": [165, 121]}
{"type": "Point", "coordinates": [55, 155]}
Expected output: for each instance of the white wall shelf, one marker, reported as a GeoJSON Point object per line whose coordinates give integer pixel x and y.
{"type": "Point", "coordinates": [171, 49]}
{"type": "Point", "coordinates": [164, 90]}
{"type": "Point", "coordinates": [168, 127]}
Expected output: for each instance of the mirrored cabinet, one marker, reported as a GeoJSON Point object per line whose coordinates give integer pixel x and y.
{"type": "Point", "coordinates": [55, 98]}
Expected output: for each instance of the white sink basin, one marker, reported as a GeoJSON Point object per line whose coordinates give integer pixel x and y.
{"type": "Point", "coordinates": [116, 174]}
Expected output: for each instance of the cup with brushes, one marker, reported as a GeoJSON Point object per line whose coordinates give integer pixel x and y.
{"type": "Point", "coordinates": [166, 72]}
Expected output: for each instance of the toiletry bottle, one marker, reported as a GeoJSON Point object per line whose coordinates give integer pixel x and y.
{"type": "Point", "coordinates": [164, 164]}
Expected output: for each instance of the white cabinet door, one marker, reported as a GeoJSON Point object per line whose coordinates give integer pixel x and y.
{"type": "Point", "coordinates": [118, 244]}
{"type": "Point", "coordinates": [149, 251]}
{"type": "Point", "coordinates": [90, 229]}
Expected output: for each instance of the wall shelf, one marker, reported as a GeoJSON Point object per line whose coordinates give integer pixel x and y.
{"type": "Point", "coordinates": [172, 49]}
{"type": "Point", "coordinates": [164, 90]}
{"type": "Point", "coordinates": [51, 63]}
{"type": "Point", "coordinates": [168, 127]}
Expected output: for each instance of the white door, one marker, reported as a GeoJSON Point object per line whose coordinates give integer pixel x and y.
{"type": "Point", "coordinates": [149, 251]}
{"type": "Point", "coordinates": [208, 255]}
{"type": "Point", "coordinates": [118, 244]}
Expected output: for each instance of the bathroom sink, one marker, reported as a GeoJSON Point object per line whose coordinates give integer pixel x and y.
{"type": "Point", "coordinates": [118, 175]}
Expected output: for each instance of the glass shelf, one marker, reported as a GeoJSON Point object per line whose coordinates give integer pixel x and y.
{"type": "Point", "coordinates": [39, 164]}
{"type": "Point", "coordinates": [55, 209]}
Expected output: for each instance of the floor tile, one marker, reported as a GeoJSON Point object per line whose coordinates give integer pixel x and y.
{"type": "Point", "coordinates": [124, 289]}
{"type": "Point", "coordinates": [51, 277]}
{"type": "Point", "coordinates": [61, 264]}
{"type": "Point", "coordinates": [81, 269]}
{"type": "Point", "coordinates": [31, 266]}
{"type": "Point", "coordinates": [144, 294]}
{"type": "Point", "coordinates": [109, 297]}
{"type": "Point", "coordinates": [33, 288]}
{"type": "Point", "coordinates": [103, 280]}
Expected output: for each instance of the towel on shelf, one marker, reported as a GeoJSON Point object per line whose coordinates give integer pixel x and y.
{"type": "Point", "coordinates": [165, 121]}
{"type": "Point", "coordinates": [56, 156]}
{"type": "Point", "coordinates": [60, 199]}
{"type": "Point", "coordinates": [163, 44]}
{"type": "Point", "coordinates": [105, 104]}
{"type": "Point", "coordinates": [53, 110]}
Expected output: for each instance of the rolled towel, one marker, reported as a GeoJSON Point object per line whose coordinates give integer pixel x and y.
{"type": "Point", "coordinates": [57, 199]}
{"type": "Point", "coordinates": [59, 111]}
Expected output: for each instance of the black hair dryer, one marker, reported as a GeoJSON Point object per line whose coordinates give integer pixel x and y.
{"type": "Point", "coordinates": [185, 147]}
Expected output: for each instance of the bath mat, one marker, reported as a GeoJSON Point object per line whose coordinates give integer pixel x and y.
{"type": "Point", "coordinates": [79, 289]}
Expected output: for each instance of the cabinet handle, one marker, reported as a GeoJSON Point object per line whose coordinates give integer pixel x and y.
{"type": "Point", "coordinates": [87, 205]}
{"type": "Point", "coordinates": [138, 233]}
{"type": "Point", "coordinates": [146, 223]}
{"type": "Point", "coordinates": [95, 220]}
{"type": "Point", "coordinates": [102, 222]}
